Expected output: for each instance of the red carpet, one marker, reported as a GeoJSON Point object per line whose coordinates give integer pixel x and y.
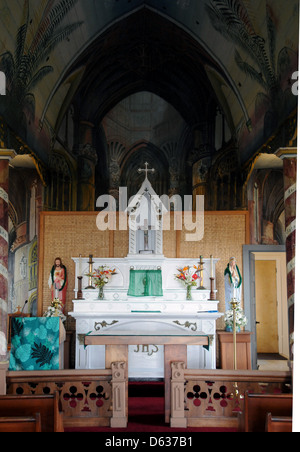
{"type": "Point", "coordinates": [146, 414]}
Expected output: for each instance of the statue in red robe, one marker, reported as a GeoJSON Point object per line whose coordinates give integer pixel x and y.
{"type": "Point", "coordinates": [58, 282]}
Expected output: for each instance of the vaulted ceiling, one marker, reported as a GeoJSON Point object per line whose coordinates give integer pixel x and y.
{"type": "Point", "coordinates": [234, 55]}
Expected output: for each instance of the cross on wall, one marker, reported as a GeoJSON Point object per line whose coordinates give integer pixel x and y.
{"type": "Point", "coordinates": [147, 170]}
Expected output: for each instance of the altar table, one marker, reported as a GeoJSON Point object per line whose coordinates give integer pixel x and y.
{"type": "Point", "coordinates": [175, 349]}
{"type": "Point", "coordinates": [125, 310]}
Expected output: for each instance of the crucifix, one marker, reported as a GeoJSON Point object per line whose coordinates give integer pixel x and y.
{"type": "Point", "coordinates": [146, 171]}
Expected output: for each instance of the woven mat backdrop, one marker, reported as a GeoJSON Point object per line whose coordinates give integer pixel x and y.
{"type": "Point", "coordinates": [69, 234]}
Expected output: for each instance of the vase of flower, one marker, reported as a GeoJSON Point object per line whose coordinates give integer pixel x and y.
{"type": "Point", "coordinates": [100, 277]}
{"type": "Point", "coordinates": [188, 277]}
{"type": "Point", "coordinates": [240, 319]}
{"type": "Point", "coordinates": [101, 293]}
{"type": "Point", "coordinates": [229, 329]}
{"type": "Point", "coordinates": [189, 292]}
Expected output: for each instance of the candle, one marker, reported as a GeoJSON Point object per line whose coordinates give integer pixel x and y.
{"type": "Point", "coordinates": [80, 265]}
{"type": "Point", "coordinates": [211, 267]}
{"type": "Point", "coordinates": [56, 292]}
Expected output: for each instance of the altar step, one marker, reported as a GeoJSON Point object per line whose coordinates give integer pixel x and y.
{"type": "Point", "coordinates": [146, 389]}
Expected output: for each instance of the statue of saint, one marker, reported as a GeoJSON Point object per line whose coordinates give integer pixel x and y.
{"type": "Point", "coordinates": [58, 282]}
{"type": "Point", "coordinates": [233, 283]}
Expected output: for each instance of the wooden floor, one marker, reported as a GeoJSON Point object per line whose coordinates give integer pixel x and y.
{"type": "Point", "coordinates": [272, 362]}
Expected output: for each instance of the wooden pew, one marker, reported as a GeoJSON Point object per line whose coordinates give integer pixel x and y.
{"type": "Point", "coordinates": [46, 405]}
{"type": "Point", "coordinates": [257, 406]}
{"type": "Point", "coordinates": [276, 424]}
{"type": "Point", "coordinates": [21, 424]}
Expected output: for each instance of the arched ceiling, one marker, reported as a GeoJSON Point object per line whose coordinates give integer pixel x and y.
{"type": "Point", "coordinates": [144, 52]}
{"type": "Point", "coordinates": [185, 51]}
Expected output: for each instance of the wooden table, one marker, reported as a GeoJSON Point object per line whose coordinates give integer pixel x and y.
{"type": "Point", "coordinates": [175, 347]}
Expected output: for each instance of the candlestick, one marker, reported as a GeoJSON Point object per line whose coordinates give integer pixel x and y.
{"type": "Point", "coordinates": [234, 304]}
{"type": "Point", "coordinates": [212, 289]}
{"type": "Point", "coordinates": [90, 286]}
{"type": "Point", "coordinates": [200, 271]}
{"type": "Point", "coordinates": [79, 292]}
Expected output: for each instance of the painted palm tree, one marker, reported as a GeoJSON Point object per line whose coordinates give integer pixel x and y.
{"type": "Point", "coordinates": [26, 67]}
{"type": "Point", "coordinates": [231, 19]}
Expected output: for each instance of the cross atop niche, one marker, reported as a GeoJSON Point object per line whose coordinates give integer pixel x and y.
{"type": "Point", "coordinates": [147, 170]}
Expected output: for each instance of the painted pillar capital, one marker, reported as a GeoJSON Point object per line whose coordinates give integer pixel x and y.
{"type": "Point", "coordinates": [7, 154]}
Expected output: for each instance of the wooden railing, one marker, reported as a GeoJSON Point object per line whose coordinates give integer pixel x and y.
{"type": "Point", "coordinates": [87, 397]}
{"type": "Point", "coordinates": [201, 398]}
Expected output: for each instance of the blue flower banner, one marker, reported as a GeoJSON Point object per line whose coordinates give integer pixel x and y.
{"type": "Point", "coordinates": [34, 344]}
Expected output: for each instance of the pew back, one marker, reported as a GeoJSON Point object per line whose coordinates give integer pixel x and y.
{"type": "Point", "coordinates": [46, 405]}
{"type": "Point", "coordinates": [282, 424]}
{"type": "Point", "coordinates": [24, 424]}
{"type": "Point", "coordinates": [257, 406]}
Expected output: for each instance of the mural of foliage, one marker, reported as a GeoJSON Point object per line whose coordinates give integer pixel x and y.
{"type": "Point", "coordinates": [25, 67]}
{"type": "Point", "coordinates": [231, 19]}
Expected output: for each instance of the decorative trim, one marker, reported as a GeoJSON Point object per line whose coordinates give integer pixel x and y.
{"type": "Point", "coordinates": [3, 234]}
{"type": "Point", "coordinates": [290, 191]}
{"type": "Point", "coordinates": [187, 324]}
{"type": "Point", "coordinates": [3, 271]}
{"type": "Point", "coordinates": [290, 228]}
{"type": "Point", "coordinates": [3, 195]}
{"type": "Point", "coordinates": [104, 324]}
{"type": "Point", "coordinates": [291, 265]}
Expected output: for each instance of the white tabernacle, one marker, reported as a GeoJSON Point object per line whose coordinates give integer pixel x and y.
{"type": "Point", "coordinates": [170, 314]}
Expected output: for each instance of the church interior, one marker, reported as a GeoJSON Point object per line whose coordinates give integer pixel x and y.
{"type": "Point", "coordinates": [147, 137]}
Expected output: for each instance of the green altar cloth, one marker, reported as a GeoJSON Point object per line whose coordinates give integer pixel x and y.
{"type": "Point", "coordinates": [145, 283]}
{"type": "Point", "coordinates": [34, 344]}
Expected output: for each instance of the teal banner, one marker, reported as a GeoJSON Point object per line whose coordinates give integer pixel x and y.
{"type": "Point", "coordinates": [34, 344]}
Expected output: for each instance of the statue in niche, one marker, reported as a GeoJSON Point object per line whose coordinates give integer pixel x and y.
{"type": "Point", "coordinates": [58, 282]}
{"type": "Point", "coordinates": [233, 283]}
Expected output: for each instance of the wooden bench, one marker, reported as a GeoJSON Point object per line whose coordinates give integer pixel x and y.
{"type": "Point", "coordinates": [282, 424]}
{"type": "Point", "coordinates": [46, 405]}
{"type": "Point", "coordinates": [21, 424]}
{"type": "Point", "coordinates": [257, 406]}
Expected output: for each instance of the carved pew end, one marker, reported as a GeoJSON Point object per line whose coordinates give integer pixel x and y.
{"type": "Point", "coordinates": [119, 395]}
{"type": "Point", "coordinates": [178, 419]}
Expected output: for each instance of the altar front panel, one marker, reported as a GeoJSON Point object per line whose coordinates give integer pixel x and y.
{"type": "Point", "coordinates": [146, 361]}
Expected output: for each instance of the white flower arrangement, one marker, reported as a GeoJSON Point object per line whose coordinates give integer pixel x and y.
{"type": "Point", "coordinates": [241, 319]}
{"type": "Point", "coordinates": [55, 310]}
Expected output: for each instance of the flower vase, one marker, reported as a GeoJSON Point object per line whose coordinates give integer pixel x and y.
{"type": "Point", "coordinates": [229, 329]}
{"type": "Point", "coordinates": [101, 293]}
{"type": "Point", "coordinates": [189, 293]}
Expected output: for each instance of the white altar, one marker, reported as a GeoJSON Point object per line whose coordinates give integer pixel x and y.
{"type": "Point", "coordinates": [168, 314]}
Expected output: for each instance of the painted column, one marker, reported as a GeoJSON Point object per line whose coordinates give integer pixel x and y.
{"type": "Point", "coordinates": [289, 157]}
{"type": "Point", "coordinates": [5, 157]}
